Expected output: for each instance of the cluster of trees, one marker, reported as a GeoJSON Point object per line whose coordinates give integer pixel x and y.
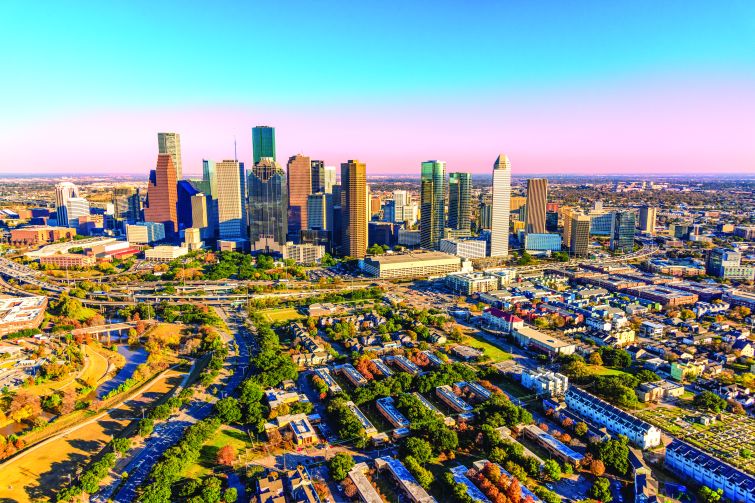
{"type": "Point", "coordinates": [176, 459]}
{"type": "Point", "coordinates": [340, 465]}
{"type": "Point", "coordinates": [613, 453]}
{"type": "Point", "coordinates": [389, 386]}
{"type": "Point", "coordinates": [10, 445]}
{"type": "Point", "coordinates": [207, 490]}
{"type": "Point", "coordinates": [231, 264]}
{"type": "Point", "coordinates": [500, 411]}
{"type": "Point", "coordinates": [709, 401]}
{"type": "Point", "coordinates": [348, 426]}
{"type": "Point", "coordinates": [498, 487]}
{"type": "Point", "coordinates": [197, 314]}
{"type": "Point", "coordinates": [272, 365]}
{"type": "Point", "coordinates": [446, 374]}
{"type": "Point", "coordinates": [614, 357]}
{"type": "Point", "coordinates": [427, 425]}
{"type": "Point", "coordinates": [89, 482]}
{"type": "Point", "coordinates": [73, 312]}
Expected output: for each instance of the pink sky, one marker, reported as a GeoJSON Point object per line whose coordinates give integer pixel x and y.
{"type": "Point", "coordinates": [635, 127]}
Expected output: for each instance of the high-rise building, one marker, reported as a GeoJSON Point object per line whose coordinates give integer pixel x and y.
{"type": "Point", "coordinates": [485, 215]}
{"type": "Point", "coordinates": [231, 199]}
{"type": "Point", "coordinates": [170, 143]}
{"type": "Point", "coordinates": [199, 218]}
{"type": "Point", "coordinates": [459, 200]}
{"type": "Point", "coordinates": [63, 192]}
{"type": "Point", "coordinates": [126, 207]}
{"type": "Point", "coordinates": [320, 211]}
{"type": "Point", "coordinates": [318, 176]}
{"type": "Point", "coordinates": [376, 203]}
{"type": "Point", "coordinates": [162, 195]}
{"type": "Point", "coordinates": [579, 239]}
{"type": "Point", "coordinates": [727, 264]}
{"type": "Point", "coordinates": [299, 175]}
{"type": "Point", "coordinates": [338, 219]}
{"type": "Point", "coordinates": [263, 143]}
{"type": "Point", "coordinates": [268, 206]}
{"type": "Point", "coordinates": [566, 216]}
{"type": "Point", "coordinates": [551, 221]}
{"type": "Point", "coordinates": [517, 202]}
{"type": "Point", "coordinates": [432, 203]}
{"type": "Point", "coordinates": [537, 198]}
{"type": "Point", "coordinates": [499, 226]}
{"type": "Point", "coordinates": [76, 208]}
{"type": "Point", "coordinates": [622, 235]}
{"type": "Point", "coordinates": [330, 178]}
{"type": "Point", "coordinates": [354, 208]}
{"type": "Point", "coordinates": [185, 192]}
{"type": "Point", "coordinates": [648, 216]}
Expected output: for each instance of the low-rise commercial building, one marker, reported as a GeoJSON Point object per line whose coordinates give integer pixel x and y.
{"type": "Point", "coordinates": [533, 339]}
{"type": "Point", "coordinates": [666, 296]}
{"type": "Point", "coordinates": [412, 265]}
{"type": "Point", "coordinates": [473, 282]}
{"type": "Point", "coordinates": [145, 232]}
{"type": "Point", "coordinates": [39, 234]}
{"type": "Point", "coordinates": [496, 319]}
{"type": "Point", "coordinates": [165, 253]}
{"type": "Point", "coordinates": [63, 260]}
{"type": "Point", "coordinates": [21, 313]}
{"type": "Point", "coordinates": [465, 248]}
{"type": "Point", "coordinates": [303, 253]}
{"type": "Point", "coordinates": [365, 490]}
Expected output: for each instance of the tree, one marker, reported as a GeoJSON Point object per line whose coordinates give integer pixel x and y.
{"type": "Point", "coordinates": [340, 465]}
{"type": "Point", "coordinates": [601, 490]}
{"type": "Point", "coordinates": [423, 475]}
{"type": "Point", "coordinates": [709, 401]}
{"type": "Point", "coordinates": [211, 490]}
{"type": "Point", "coordinates": [581, 428]}
{"type": "Point", "coordinates": [419, 449]}
{"type": "Point", "coordinates": [514, 491]}
{"type": "Point", "coordinates": [708, 495]}
{"type": "Point", "coordinates": [595, 359]}
{"type": "Point", "coordinates": [226, 455]}
{"type": "Point", "coordinates": [614, 453]}
{"type": "Point", "coordinates": [552, 470]}
{"type": "Point", "coordinates": [230, 495]}
{"type": "Point", "coordinates": [646, 375]}
{"type": "Point", "coordinates": [121, 445]}
{"type": "Point", "coordinates": [228, 410]}
{"type": "Point", "coordinates": [597, 468]}
{"type": "Point", "coordinates": [25, 406]}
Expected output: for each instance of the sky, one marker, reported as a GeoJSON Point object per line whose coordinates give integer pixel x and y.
{"type": "Point", "coordinates": [560, 87]}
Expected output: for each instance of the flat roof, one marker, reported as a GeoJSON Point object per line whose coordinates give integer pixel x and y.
{"type": "Point", "coordinates": [412, 257]}
{"type": "Point", "coordinates": [406, 480]}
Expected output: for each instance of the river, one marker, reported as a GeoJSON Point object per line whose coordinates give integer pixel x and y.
{"type": "Point", "coordinates": [134, 356]}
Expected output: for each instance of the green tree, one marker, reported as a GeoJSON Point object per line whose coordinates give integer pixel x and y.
{"type": "Point", "coordinates": [419, 449]}
{"type": "Point", "coordinates": [601, 490]}
{"type": "Point", "coordinates": [708, 495]}
{"type": "Point", "coordinates": [211, 490]}
{"type": "Point", "coordinates": [614, 453]}
{"type": "Point", "coordinates": [228, 410]}
{"type": "Point", "coordinates": [121, 445]}
{"type": "Point", "coordinates": [423, 475]}
{"type": "Point", "coordinates": [580, 428]}
{"type": "Point", "coordinates": [709, 401]}
{"type": "Point", "coordinates": [230, 495]}
{"type": "Point", "coordinates": [340, 465]}
{"type": "Point", "coordinates": [552, 470]}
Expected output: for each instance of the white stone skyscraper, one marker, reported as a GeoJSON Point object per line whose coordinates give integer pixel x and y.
{"type": "Point", "coordinates": [501, 206]}
{"type": "Point", "coordinates": [170, 143]}
{"type": "Point", "coordinates": [69, 206]}
{"type": "Point", "coordinates": [231, 198]}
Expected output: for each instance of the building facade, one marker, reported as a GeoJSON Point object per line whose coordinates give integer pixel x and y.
{"type": "Point", "coordinates": [537, 198]}
{"type": "Point", "coordinates": [499, 228]}
{"type": "Point", "coordinates": [170, 143]}
{"type": "Point", "coordinates": [162, 195]}
{"type": "Point", "coordinates": [648, 217]}
{"type": "Point", "coordinates": [263, 143]}
{"type": "Point", "coordinates": [432, 203]}
{"type": "Point", "coordinates": [459, 200]}
{"type": "Point", "coordinates": [268, 206]}
{"type": "Point", "coordinates": [622, 237]}
{"type": "Point", "coordinates": [300, 180]}
{"type": "Point", "coordinates": [231, 186]}
{"type": "Point", "coordinates": [354, 208]}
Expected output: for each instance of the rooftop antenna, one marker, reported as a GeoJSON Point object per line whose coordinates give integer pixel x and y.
{"type": "Point", "coordinates": [235, 157]}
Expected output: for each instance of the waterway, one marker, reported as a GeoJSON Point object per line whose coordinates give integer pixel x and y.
{"type": "Point", "coordinates": [134, 356]}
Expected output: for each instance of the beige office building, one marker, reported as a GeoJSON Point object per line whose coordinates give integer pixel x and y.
{"type": "Point", "coordinates": [537, 198]}
{"type": "Point", "coordinates": [412, 265]}
{"type": "Point", "coordinates": [579, 242]}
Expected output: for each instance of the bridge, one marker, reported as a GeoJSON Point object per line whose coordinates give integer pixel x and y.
{"type": "Point", "coordinates": [116, 330]}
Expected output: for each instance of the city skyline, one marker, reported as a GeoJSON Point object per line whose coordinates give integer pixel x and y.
{"type": "Point", "coordinates": [573, 91]}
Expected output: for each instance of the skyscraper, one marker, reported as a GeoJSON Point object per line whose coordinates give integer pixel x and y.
{"type": "Point", "coordinates": [432, 203]}
{"type": "Point", "coordinates": [622, 237]}
{"type": "Point", "coordinates": [579, 240]}
{"type": "Point", "coordinates": [299, 188]}
{"type": "Point", "coordinates": [499, 219]}
{"type": "Point", "coordinates": [126, 208]}
{"type": "Point", "coordinates": [64, 191]}
{"type": "Point", "coordinates": [162, 195]}
{"type": "Point", "coordinates": [459, 194]}
{"type": "Point", "coordinates": [537, 198]}
{"type": "Point", "coordinates": [354, 208]}
{"type": "Point", "coordinates": [566, 215]}
{"type": "Point", "coordinates": [199, 219]}
{"type": "Point", "coordinates": [268, 206]}
{"type": "Point", "coordinates": [170, 143]}
{"type": "Point", "coordinates": [231, 199]}
{"type": "Point", "coordinates": [330, 179]}
{"type": "Point", "coordinates": [319, 211]}
{"type": "Point", "coordinates": [263, 142]}
{"type": "Point", "coordinates": [185, 192]}
{"type": "Point", "coordinates": [318, 176]}
{"type": "Point", "coordinates": [648, 216]}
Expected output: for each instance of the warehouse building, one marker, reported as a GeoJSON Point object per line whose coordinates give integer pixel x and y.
{"type": "Point", "coordinates": [412, 265]}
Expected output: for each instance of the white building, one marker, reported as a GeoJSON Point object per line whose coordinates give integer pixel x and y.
{"type": "Point", "coordinates": [231, 199]}
{"type": "Point", "coordinates": [303, 253]}
{"type": "Point", "coordinates": [499, 233]}
{"type": "Point", "coordinates": [615, 420]}
{"type": "Point", "coordinates": [545, 382]}
{"type": "Point", "coordinates": [465, 248]}
{"type": "Point", "coordinates": [165, 253]}
{"type": "Point", "coordinates": [470, 283]}
{"type": "Point", "coordinates": [145, 232]}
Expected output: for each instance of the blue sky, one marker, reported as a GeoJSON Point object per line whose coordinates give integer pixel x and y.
{"type": "Point", "coordinates": [111, 57]}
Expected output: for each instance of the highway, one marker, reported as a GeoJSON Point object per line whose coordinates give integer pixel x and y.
{"type": "Point", "coordinates": [170, 432]}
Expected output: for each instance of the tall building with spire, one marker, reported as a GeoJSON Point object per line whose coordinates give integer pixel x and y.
{"type": "Point", "coordinates": [299, 173]}
{"type": "Point", "coordinates": [162, 195]}
{"type": "Point", "coordinates": [459, 201]}
{"type": "Point", "coordinates": [170, 143]}
{"type": "Point", "coordinates": [500, 207]}
{"type": "Point", "coordinates": [537, 199]}
{"type": "Point", "coordinates": [432, 203]}
{"type": "Point", "coordinates": [268, 206]}
{"type": "Point", "coordinates": [354, 208]}
{"type": "Point", "coordinates": [263, 143]}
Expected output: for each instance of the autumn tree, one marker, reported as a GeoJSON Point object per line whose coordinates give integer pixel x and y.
{"type": "Point", "coordinates": [597, 468]}
{"type": "Point", "coordinates": [25, 406]}
{"type": "Point", "coordinates": [226, 455]}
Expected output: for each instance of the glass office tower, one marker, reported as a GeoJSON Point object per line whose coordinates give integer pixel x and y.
{"type": "Point", "coordinates": [268, 206]}
{"type": "Point", "coordinates": [263, 142]}
{"type": "Point", "coordinates": [432, 203]}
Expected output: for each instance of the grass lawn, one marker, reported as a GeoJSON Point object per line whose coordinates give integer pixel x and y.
{"type": "Point", "coordinates": [227, 435]}
{"type": "Point", "coordinates": [605, 371]}
{"type": "Point", "coordinates": [284, 314]}
{"type": "Point", "coordinates": [494, 352]}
